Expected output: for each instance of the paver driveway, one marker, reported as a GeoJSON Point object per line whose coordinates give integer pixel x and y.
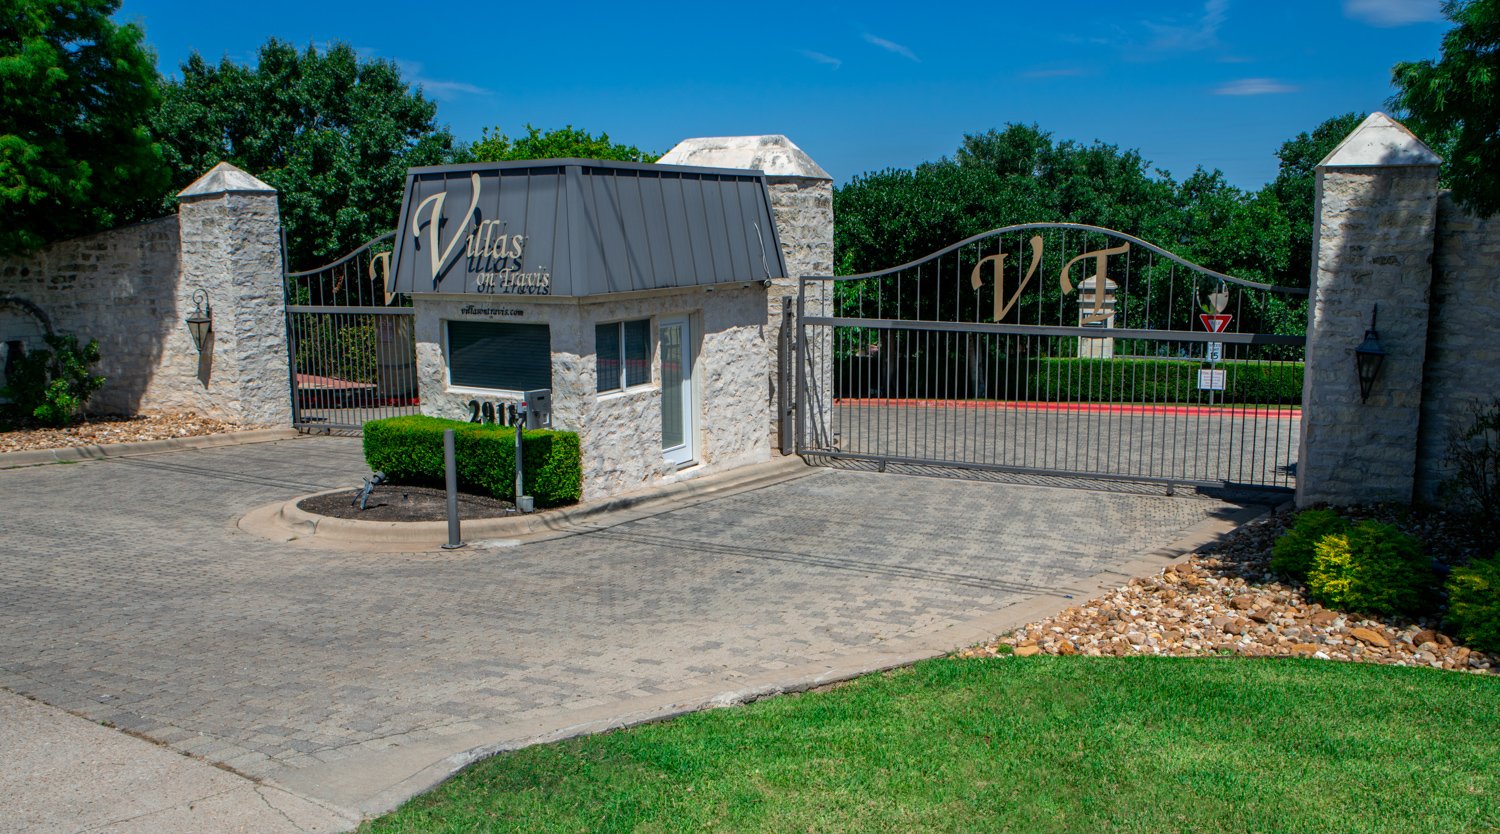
{"type": "Point", "coordinates": [127, 595]}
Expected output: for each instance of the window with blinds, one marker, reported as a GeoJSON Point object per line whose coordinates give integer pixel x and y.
{"type": "Point", "coordinates": [622, 351]}
{"type": "Point", "coordinates": [499, 355]}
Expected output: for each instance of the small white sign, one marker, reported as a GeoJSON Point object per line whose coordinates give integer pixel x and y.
{"type": "Point", "coordinates": [1216, 351]}
{"type": "Point", "coordinates": [1210, 380]}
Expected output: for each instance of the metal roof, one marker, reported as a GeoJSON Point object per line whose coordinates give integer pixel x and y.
{"type": "Point", "coordinates": [585, 227]}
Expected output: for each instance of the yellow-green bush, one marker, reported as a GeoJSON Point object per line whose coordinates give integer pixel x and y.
{"type": "Point", "coordinates": [1374, 568]}
{"type": "Point", "coordinates": [1474, 603]}
{"type": "Point", "coordinates": [1292, 554]}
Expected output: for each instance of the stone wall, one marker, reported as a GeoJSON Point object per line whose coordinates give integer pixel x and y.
{"type": "Point", "coordinates": [1463, 349]}
{"type": "Point", "coordinates": [620, 432]}
{"type": "Point", "coordinates": [1374, 221]}
{"type": "Point", "coordinates": [803, 207]}
{"type": "Point", "coordinates": [118, 287]}
{"type": "Point", "coordinates": [1374, 248]}
{"type": "Point", "coordinates": [132, 288]}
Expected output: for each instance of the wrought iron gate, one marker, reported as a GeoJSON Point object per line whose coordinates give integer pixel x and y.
{"type": "Point", "coordinates": [1058, 349]}
{"type": "Point", "coordinates": [352, 343]}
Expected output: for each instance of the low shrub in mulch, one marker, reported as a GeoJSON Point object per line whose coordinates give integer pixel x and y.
{"type": "Point", "coordinates": [410, 450]}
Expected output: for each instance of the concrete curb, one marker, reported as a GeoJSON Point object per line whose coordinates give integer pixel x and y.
{"type": "Point", "coordinates": [430, 763]}
{"type": "Point", "coordinates": [284, 521]}
{"type": "Point", "coordinates": [73, 454]}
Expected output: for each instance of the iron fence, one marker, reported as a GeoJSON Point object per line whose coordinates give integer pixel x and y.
{"type": "Point", "coordinates": [352, 343]}
{"type": "Point", "coordinates": [1000, 353]}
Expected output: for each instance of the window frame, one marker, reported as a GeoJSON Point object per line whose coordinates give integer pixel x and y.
{"type": "Point", "coordinates": [451, 387]}
{"type": "Point", "coordinates": [624, 386]}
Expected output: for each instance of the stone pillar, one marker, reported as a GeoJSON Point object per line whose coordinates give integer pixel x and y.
{"type": "Point", "coordinates": [802, 202]}
{"type": "Point", "coordinates": [231, 249]}
{"type": "Point", "coordinates": [1375, 220]}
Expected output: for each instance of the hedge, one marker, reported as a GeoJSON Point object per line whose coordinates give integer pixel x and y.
{"type": "Point", "coordinates": [1069, 379]}
{"type": "Point", "coordinates": [410, 450]}
{"type": "Point", "coordinates": [1159, 381]}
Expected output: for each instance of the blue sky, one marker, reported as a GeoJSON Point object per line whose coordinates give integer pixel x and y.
{"type": "Point", "coordinates": [861, 87]}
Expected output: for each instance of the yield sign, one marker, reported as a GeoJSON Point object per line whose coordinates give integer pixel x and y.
{"type": "Point", "coordinates": [1215, 322]}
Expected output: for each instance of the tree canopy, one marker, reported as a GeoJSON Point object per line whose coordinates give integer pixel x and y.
{"type": "Point", "coordinates": [332, 132]}
{"type": "Point", "coordinates": [1454, 102]}
{"type": "Point", "coordinates": [1019, 174]}
{"type": "Point", "coordinates": [73, 156]}
{"type": "Point", "coordinates": [494, 146]}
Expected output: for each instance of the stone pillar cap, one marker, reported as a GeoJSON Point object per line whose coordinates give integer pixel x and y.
{"type": "Point", "coordinates": [223, 179]}
{"type": "Point", "coordinates": [1380, 141]}
{"type": "Point", "coordinates": [774, 154]}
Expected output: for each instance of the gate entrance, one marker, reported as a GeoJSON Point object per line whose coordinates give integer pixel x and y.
{"type": "Point", "coordinates": [1055, 349]}
{"type": "Point", "coordinates": [352, 343]}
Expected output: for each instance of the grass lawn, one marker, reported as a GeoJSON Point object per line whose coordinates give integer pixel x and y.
{"type": "Point", "coordinates": [1037, 744]}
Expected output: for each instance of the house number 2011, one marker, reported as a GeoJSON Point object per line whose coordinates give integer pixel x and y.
{"type": "Point", "coordinates": [490, 413]}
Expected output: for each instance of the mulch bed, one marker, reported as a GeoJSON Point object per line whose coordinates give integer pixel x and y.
{"type": "Point", "coordinates": [104, 430]}
{"type": "Point", "coordinates": [393, 502]}
{"type": "Point", "coordinates": [1225, 599]}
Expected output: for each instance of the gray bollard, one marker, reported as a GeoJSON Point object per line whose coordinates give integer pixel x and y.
{"type": "Point", "coordinates": [450, 469]}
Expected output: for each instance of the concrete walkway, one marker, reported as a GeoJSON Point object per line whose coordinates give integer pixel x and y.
{"type": "Point", "coordinates": [65, 773]}
{"type": "Point", "coordinates": [357, 680]}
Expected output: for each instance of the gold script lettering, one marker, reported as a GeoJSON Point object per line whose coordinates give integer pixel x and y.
{"type": "Point", "coordinates": [380, 267]}
{"type": "Point", "coordinates": [438, 257]}
{"type": "Point", "coordinates": [1101, 257]}
{"type": "Point", "coordinates": [1003, 304]}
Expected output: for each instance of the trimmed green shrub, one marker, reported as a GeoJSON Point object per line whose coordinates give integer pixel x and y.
{"type": "Point", "coordinates": [1159, 381]}
{"type": "Point", "coordinates": [1373, 569]}
{"type": "Point", "coordinates": [1474, 604]}
{"type": "Point", "coordinates": [410, 450]}
{"type": "Point", "coordinates": [1292, 554]}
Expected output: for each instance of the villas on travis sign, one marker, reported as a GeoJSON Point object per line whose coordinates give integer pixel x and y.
{"type": "Point", "coordinates": [576, 227]}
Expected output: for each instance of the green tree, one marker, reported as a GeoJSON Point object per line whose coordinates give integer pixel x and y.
{"type": "Point", "coordinates": [76, 87]}
{"type": "Point", "coordinates": [333, 133]}
{"type": "Point", "coordinates": [494, 146]}
{"type": "Point", "coordinates": [1244, 234]}
{"type": "Point", "coordinates": [1454, 102]}
{"type": "Point", "coordinates": [1295, 186]}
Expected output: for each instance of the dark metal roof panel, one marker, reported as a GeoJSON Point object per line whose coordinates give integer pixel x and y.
{"type": "Point", "coordinates": [582, 227]}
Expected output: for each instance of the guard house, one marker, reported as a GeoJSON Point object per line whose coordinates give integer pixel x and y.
{"type": "Point", "coordinates": [637, 293]}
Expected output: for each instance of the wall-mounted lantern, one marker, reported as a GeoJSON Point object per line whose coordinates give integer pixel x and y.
{"type": "Point", "coordinates": [201, 322]}
{"type": "Point", "coordinates": [1368, 358]}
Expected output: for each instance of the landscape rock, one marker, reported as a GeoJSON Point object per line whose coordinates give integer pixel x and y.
{"type": "Point", "coordinates": [1225, 598]}
{"type": "Point", "coordinates": [1370, 637]}
{"type": "Point", "coordinates": [101, 431]}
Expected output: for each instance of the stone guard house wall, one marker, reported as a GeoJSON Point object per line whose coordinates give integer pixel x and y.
{"type": "Point", "coordinates": [620, 431]}
{"type": "Point", "coordinates": [1387, 237]}
{"type": "Point", "coordinates": [802, 200]}
{"type": "Point", "coordinates": [131, 289]}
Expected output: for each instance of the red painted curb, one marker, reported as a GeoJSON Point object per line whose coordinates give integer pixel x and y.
{"type": "Point", "coordinates": [1112, 408]}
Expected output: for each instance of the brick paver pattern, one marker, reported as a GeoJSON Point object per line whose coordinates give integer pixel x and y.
{"type": "Point", "coordinates": [128, 596]}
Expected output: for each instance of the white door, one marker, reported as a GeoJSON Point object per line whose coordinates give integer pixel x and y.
{"type": "Point", "coordinates": [677, 415]}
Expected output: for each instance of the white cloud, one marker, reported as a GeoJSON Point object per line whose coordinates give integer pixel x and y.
{"type": "Point", "coordinates": [437, 88]}
{"type": "Point", "coordinates": [892, 46]}
{"type": "Point", "coordinates": [1254, 87]}
{"type": "Point", "coordinates": [821, 58]}
{"type": "Point", "coordinates": [1194, 35]}
{"type": "Point", "coordinates": [1394, 12]}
